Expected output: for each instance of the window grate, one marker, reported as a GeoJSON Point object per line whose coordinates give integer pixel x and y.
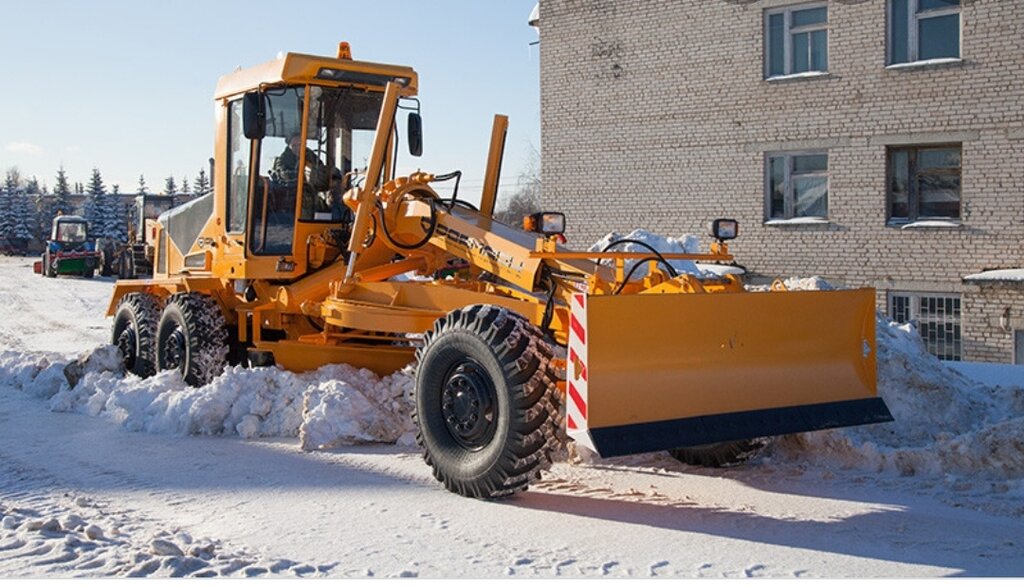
{"type": "Point", "coordinates": [937, 318]}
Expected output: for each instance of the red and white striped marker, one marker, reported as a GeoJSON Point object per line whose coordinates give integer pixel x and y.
{"type": "Point", "coordinates": [576, 373]}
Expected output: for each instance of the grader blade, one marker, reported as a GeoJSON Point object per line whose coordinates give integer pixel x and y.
{"type": "Point", "coordinates": [661, 371]}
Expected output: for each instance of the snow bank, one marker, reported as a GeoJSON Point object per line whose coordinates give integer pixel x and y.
{"type": "Point", "coordinates": [944, 422]}
{"type": "Point", "coordinates": [332, 406]}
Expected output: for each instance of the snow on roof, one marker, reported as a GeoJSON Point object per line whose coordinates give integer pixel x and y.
{"type": "Point", "coordinates": [534, 19]}
{"type": "Point", "coordinates": [997, 275]}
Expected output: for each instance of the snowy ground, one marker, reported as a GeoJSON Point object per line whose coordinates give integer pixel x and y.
{"type": "Point", "coordinates": [116, 476]}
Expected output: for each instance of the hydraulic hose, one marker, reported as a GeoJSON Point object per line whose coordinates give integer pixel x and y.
{"type": "Point", "coordinates": [418, 244]}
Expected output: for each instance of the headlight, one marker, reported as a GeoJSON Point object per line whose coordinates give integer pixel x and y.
{"type": "Point", "coordinates": [725, 229]}
{"type": "Point", "coordinates": [546, 223]}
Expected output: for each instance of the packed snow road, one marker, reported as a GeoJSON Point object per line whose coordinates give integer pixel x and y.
{"type": "Point", "coordinates": [102, 478]}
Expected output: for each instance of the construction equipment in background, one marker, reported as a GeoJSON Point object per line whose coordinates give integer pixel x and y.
{"type": "Point", "coordinates": [299, 260]}
{"type": "Point", "coordinates": [69, 251]}
{"type": "Point", "coordinates": [134, 259]}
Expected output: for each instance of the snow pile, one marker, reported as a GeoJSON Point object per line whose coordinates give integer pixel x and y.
{"type": "Point", "coordinates": [685, 244]}
{"type": "Point", "coordinates": [334, 405]}
{"type": "Point", "coordinates": [944, 422]}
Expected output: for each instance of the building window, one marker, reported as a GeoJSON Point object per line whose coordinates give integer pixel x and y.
{"type": "Point", "coordinates": [924, 182]}
{"type": "Point", "coordinates": [796, 40]}
{"type": "Point", "coordinates": [797, 186]}
{"type": "Point", "coordinates": [937, 318]}
{"type": "Point", "coordinates": [920, 30]}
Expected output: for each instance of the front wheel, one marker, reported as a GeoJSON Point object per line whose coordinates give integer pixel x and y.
{"type": "Point", "coordinates": [485, 402]}
{"type": "Point", "coordinates": [192, 337]}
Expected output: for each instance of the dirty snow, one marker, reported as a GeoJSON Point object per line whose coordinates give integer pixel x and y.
{"type": "Point", "coordinates": [83, 494]}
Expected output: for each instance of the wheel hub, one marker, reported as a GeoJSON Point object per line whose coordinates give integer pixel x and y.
{"type": "Point", "coordinates": [174, 347]}
{"type": "Point", "coordinates": [468, 405]}
{"type": "Point", "coordinates": [126, 343]}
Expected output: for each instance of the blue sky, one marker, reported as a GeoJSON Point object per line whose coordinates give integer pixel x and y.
{"type": "Point", "coordinates": [126, 86]}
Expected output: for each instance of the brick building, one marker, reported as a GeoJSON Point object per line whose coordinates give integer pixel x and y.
{"type": "Point", "coordinates": [872, 142]}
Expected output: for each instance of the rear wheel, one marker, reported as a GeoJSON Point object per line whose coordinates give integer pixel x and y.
{"type": "Point", "coordinates": [48, 269]}
{"type": "Point", "coordinates": [192, 337]}
{"type": "Point", "coordinates": [485, 402]}
{"type": "Point", "coordinates": [124, 268]}
{"type": "Point", "coordinates": [719, 454]}
{"type": "Point", "coordinates": [134, 332]}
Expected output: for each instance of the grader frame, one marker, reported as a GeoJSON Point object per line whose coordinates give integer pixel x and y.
{"type": "Point", "coordinates": [525, 336]}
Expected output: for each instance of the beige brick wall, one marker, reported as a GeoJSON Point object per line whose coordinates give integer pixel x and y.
{"type": "Point", "coordinates": [656, 114]}
{"type": "Point", "coordinates": [985, 339]}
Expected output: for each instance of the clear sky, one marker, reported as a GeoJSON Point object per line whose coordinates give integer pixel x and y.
{"type": "Point", "coordinates": [127, 86]}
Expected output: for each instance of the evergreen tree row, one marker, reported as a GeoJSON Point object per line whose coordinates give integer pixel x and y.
{"type": "Point", "coordinates": [27, 209]}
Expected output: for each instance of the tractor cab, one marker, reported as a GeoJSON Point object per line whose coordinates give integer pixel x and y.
{"type": "Point", "coordinates": [69, 230]}
{"type": "Point", "coordinates": [69, 251]}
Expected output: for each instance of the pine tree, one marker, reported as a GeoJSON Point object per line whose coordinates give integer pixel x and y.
{"type": "Point", "coordinates": [16, 217]}
{"type": "Point", "coordinates": [7, 225]}
{"type": "Point", "coordinates": [62, 195]}
{"type": "Point", "coordinates": [95, 205]}
{"type": "Point", "coordinates": [202, 184]}
{"type": "Point", "coordinates": [32, 186]}
{"type": "Point", "coordinates": [184, 190]}
{"type": "Point", "coordinates": [142, 189]}
{"type": "Point", "coordinates": [170, 187]}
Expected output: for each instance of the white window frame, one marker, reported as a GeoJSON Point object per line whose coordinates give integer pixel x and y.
{"type": "Point", "coordinates": [787, 35]}
{"type": "Point", "coordinates": [913, 32]}
{"type": "Point", "coordinates": [789, 199]}
{"type": "Point", "coordinates": [937, 348]}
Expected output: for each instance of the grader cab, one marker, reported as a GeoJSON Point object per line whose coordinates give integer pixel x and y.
{"type": "Point", "coordinates": [295, 260]}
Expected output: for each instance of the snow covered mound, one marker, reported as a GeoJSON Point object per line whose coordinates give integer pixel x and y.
{"type": "Point", "coordinates": [332, 406]}
{"type": "Point", "coordinates": [685, 244]}
{"type": "Point", "coordinates": [944, 422]}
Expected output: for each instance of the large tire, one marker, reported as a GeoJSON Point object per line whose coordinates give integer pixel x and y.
{"type": "Point", "coordinates": [104, 264]}
{"type": "Point", "coordinates": [192, 337]}
{"type": "Point", "coordinates": [485, 402]}
{"type": "Point", "coordinates": [719, 454]}
{"type": "Point", "coordinates": [134, 332]}
{"type": "Point", "coordinates": [125, 269]}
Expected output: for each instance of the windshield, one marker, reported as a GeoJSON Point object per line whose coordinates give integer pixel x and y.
{"type": "Point", "coordinates": [340, 134]}
{"type": "Point", "coordinates": [71, 232]}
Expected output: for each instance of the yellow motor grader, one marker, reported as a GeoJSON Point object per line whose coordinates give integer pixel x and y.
{"type": "Point", "coordinates": [311, 251]}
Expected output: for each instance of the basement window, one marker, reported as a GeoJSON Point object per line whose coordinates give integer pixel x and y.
{"type": "Point", "coordinates": [796, 40]}
{"type": "Point", "coordinates": [936, 317]}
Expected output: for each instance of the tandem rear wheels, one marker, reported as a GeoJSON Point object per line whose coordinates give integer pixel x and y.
{"type": "Point", "coordinates": [485, 402]}
{"type": "Point", "coordinates": [187, 333]}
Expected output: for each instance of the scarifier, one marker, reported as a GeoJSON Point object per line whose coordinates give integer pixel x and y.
{"type": "Point", "coordinates": [520, 344]}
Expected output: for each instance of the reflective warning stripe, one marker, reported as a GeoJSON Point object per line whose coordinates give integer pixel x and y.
{"type": "Point", "coordinates": [576, 373]}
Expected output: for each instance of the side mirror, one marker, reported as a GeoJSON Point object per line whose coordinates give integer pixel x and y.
{"type": "Point", "coordinates": [415, 134]}
{"type": "Point", "coordinates": [254, 116]}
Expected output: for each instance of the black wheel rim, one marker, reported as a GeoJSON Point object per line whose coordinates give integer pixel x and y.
{"type": "Point", "coordinates": [469, 405]}
{"type": "Point", "coordinates": [174, 349]}
{"type": "Point", "coordinates": [126, 344]}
